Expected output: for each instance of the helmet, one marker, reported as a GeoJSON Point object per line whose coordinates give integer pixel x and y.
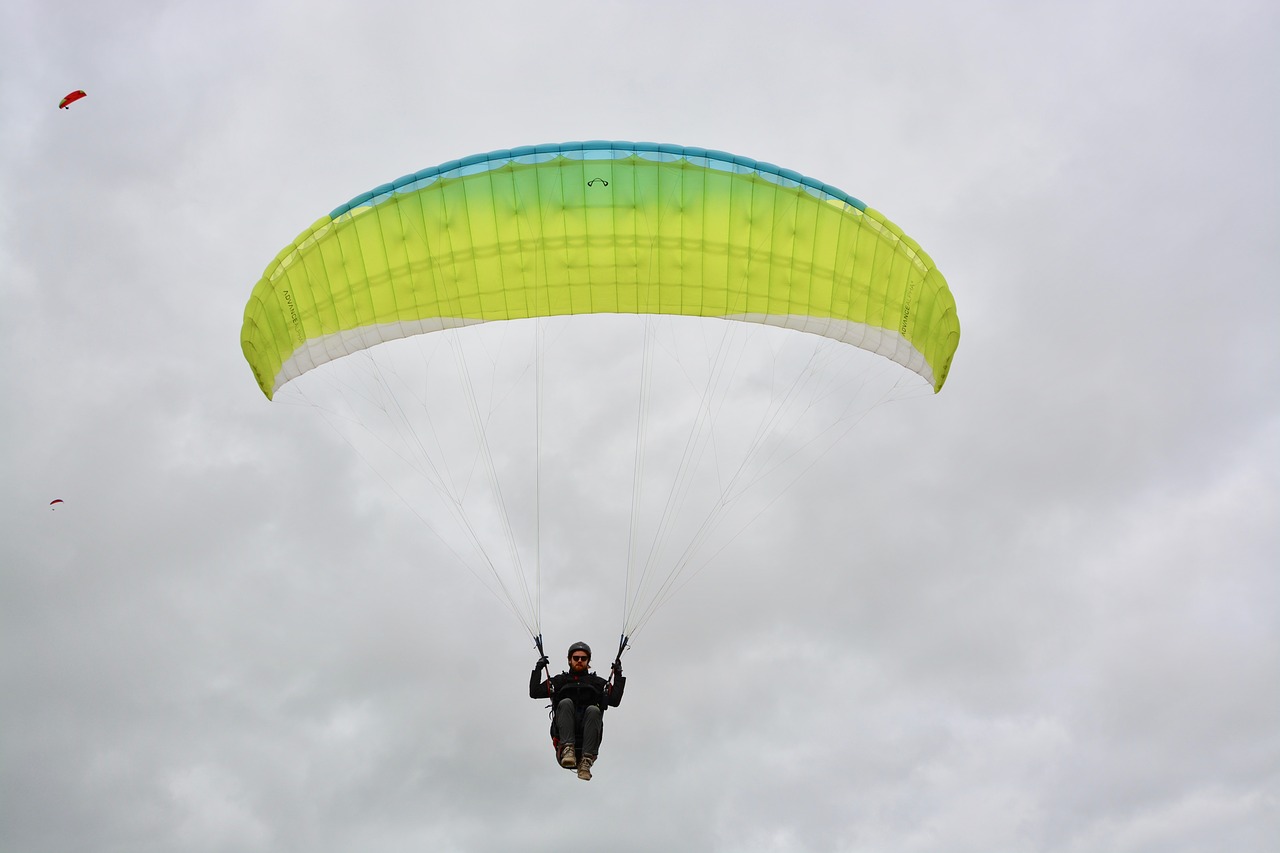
{"type": "Point", "coordinates": [579, 647]}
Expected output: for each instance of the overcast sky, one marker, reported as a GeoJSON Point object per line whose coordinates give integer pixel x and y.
{"type": "Point", "coordinates": [1039, 611]}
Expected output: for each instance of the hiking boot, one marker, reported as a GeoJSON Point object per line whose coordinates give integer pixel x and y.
{"type": "Point", "coordinates": [584, 767]}
{"type": "Point", "coordinates": [567, 758]}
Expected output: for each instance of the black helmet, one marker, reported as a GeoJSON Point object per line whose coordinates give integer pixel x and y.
{"type": "Point", "coordinates": [579, 647]}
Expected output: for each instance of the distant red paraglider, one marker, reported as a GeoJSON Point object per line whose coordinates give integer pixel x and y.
{"type": "Point", "coordinates": [53, 503]}
{"type": "Point", "coordinates": [71, 99]}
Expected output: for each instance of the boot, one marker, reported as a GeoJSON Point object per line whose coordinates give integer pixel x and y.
{"type": "Point", "coordinates": [584, 767]}
{"type": "Point", "coordinates": [567, 758]}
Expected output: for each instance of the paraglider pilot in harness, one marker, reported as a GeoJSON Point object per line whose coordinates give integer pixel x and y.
{"type": "Point", "coordinates": [578, 700]}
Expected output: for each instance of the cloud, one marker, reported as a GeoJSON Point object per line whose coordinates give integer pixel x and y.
{"type": "Point", "coordinates": [1034, 612]}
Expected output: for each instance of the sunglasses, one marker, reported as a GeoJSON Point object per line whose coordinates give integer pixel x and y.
{"type": "Point", "coordinates": [579, 657]}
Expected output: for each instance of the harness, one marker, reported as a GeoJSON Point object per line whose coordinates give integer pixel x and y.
{"type": "Point", "coordinates": [623, 644]}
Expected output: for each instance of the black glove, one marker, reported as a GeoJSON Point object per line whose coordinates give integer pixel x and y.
{"type": "Point", "coordinates": [617, 668]}
{"type": "Point", "coordinates": [542, 661]}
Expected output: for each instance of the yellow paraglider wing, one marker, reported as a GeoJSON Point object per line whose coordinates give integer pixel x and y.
{"type": "Point", "coordinates": [594, 227]}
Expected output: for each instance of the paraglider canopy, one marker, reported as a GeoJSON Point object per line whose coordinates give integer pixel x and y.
{"type": "Point", "coordinates": [71, 99]}
{"type": "Point", "coordinates": [712, 243]}
{"type": "Point", "coordinates": [598, 227]}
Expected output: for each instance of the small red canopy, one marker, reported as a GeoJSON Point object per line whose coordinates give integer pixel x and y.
{"type": "Point", "coordinates": [71, 99]}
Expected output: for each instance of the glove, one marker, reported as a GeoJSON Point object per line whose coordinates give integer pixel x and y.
{"type": "Point", "coordinates": [616, 666]}
{"type": "Point", "coordinates": [542, 661]}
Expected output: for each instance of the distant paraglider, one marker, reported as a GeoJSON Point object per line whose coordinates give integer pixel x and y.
{"type": "Point", "coordinates": [53, 504]}
{"type": "Point", "coordinates": [71, 99]}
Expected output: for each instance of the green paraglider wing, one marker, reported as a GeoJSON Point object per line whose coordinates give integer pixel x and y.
{"type": "Point", "coordinates": [598, 227]}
